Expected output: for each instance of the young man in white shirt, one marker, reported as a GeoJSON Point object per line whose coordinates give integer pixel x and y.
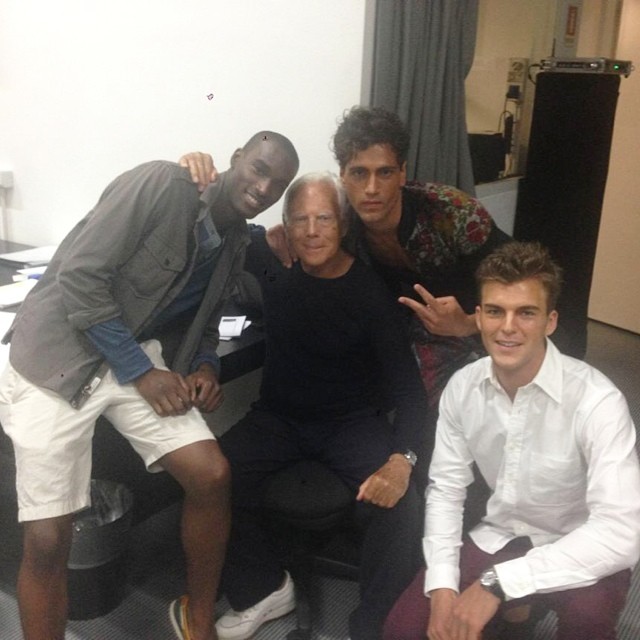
{"type": "Point", "coordinates": [554, 441]}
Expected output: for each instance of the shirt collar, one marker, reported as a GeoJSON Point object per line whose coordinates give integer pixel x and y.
{"type": "Point", "coordinates": [409, 212]}
{"type": "Point", "coordinates": [548, 378]}
{"type": "Point", "coordinates": [209, 237]}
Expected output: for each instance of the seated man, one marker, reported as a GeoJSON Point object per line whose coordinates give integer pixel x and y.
{"type": "Point", "coordinates": [335, 348]}
{"type": "Point", "coordinates": [151, 254]}
{"type": "Point", "coordinates": [555, 442]}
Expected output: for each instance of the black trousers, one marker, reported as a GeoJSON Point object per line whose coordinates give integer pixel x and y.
{"type": "Point", "coordinates": [353, 446]}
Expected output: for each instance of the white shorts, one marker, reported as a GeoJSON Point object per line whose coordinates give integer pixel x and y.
{"type": "Point", "coordinates": [52, 440]}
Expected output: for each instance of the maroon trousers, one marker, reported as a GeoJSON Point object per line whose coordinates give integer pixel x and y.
{"type": "Point", "coordinates": [588, 612]}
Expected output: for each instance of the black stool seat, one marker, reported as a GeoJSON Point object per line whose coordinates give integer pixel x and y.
{"type": "Point", "coordinates": [308, 495]}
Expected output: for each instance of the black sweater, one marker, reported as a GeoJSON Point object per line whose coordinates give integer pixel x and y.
{"type": "Point", "coordinates": [334, 346]}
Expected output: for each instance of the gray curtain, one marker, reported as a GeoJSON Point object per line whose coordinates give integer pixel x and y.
{"type": "Point", "coordinates": [423, 50]}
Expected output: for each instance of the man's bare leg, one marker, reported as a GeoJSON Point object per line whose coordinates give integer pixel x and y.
{"type": "Point", "coordinates": [203, 472]}
{"type": "Point", "coordinates": [42, 579]}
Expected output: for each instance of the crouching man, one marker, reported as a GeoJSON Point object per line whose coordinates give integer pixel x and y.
{"type": "Point", "coordinates": [554, 441]}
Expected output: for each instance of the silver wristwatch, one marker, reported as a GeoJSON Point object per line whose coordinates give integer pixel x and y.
{"type": "Point", "coordinates": [490, 582]}
{"type": "Point", "coordinates": [410, 457]}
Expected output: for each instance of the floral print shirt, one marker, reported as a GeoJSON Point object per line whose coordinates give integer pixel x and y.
{"type": "Point", "coordinates": [446, 233]}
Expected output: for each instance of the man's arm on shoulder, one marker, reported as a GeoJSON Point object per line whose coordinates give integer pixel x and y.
{"type": "Point", "coordinates": [279, 245]}
{"type": "Point", "coordinates": [201, 168]}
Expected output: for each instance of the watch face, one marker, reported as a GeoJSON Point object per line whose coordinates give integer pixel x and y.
{"type": "Point", "coordinates": [488, 578]}
{"type": "Point", "coordinates": [489, 581]}
{"type": "Point", "coordinates": [411, 457]}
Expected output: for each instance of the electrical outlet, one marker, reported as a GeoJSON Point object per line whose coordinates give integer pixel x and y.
{"type": "Point", "coordinates": [514, 92]}
{"type": "Point", "coordinates": [517, 71]}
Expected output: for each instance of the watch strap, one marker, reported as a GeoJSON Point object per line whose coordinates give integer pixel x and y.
{"type": "Point", "coordinates": [490, 582]}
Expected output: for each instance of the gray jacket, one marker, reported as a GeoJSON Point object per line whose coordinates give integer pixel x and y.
{"type": "Point", "coordinates": [129, 257]}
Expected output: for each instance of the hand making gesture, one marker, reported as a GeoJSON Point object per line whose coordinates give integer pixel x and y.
{"type": "Point", "coordinates": [441, 316]}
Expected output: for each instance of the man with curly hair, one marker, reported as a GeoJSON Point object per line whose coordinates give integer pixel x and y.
{"type": "Point", "coordinates": [424, 239]}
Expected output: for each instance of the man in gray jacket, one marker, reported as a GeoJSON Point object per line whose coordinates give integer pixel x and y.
{"type": "Point", "coordinates": [153, 254]}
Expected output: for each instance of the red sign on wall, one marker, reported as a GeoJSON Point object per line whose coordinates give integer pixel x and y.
{"type": "Point", "coordinates": [572, 21]}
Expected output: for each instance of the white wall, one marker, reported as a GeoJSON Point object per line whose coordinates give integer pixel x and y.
{"type": "Point", "coordinates": [615, 290]}
{"type": "Point", "coordinates": [90, 89]}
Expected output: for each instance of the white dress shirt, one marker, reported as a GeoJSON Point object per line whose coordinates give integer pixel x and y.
{"type": "Point", "coordinates": [561, 464]}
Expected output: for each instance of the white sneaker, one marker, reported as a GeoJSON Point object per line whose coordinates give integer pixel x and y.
{"type": "Point", "coordinates": [239, 625]}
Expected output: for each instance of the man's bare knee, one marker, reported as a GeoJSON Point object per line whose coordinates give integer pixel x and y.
{"type": "Point", "coordinates": [212, 481]}
{"type": "Point", "coordinates": [47, 543]}
{"type": "Point", "coordinates": [201, 469]}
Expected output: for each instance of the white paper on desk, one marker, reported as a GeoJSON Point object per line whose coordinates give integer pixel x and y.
{"type": "Point", "coordinates": [33, 271]}
{"type": "Point", "coordinates": [15, 292]}
{"type": "Point", "coordinates": [232, 326]}
{"type": "Point", "coordinates": [30, 257]}
{"type": "Point", "coordinates": [6, 319]}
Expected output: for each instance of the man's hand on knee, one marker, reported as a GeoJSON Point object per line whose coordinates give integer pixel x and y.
{"type": "Point", "coordinates": [166, 392]}
{"type": "Point", "coordinates": [388, 484]}
{"type": "Point", "coordinates": [472, 611]}
{"type": "Point", "coordinates": [204, 388]}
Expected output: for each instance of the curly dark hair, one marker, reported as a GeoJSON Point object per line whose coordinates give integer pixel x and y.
{"type": "Point", "coordinates": [516, 261]}
{"type": "Point", "coordinates": [362, 127]}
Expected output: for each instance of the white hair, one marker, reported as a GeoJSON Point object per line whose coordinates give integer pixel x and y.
{"type": "Point", "coordinates": [322, 177]}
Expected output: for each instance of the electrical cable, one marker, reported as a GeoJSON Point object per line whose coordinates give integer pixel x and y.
{"type": "Point", "coordinates": [531, 66]}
